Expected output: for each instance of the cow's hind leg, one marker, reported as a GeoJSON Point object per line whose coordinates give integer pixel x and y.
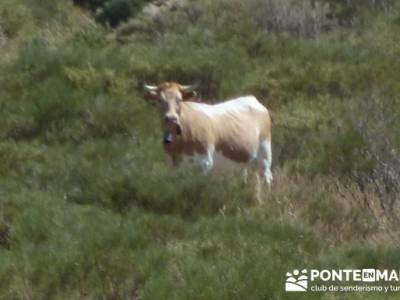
{"type": "Point", "coordinates": [264, 158]}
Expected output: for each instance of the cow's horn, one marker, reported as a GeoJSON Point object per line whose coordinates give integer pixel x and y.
{"type": "Point", "coordinates": [150, 88]}
{"type": "Point", "coordinates": [189, 88]}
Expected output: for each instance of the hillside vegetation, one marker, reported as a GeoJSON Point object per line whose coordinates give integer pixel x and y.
{"type": "Point", "coordinates": [90, 208]}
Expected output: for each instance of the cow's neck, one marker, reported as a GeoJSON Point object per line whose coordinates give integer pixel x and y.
{"type": "Point", "coordinates": [196, 131]}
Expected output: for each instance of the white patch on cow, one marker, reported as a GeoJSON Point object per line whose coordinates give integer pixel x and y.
{"type": "Point", "coordinates": [232, 106]}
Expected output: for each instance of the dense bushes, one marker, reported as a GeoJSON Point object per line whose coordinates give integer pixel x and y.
{"type": "Point", "coordinates": [117, 11]}
{"type": "Point", "coordinates": [14, 17]}
{"type": "Point", "coordinates": [305, 18]}
{"type": "Point", "coordinates": [113, 12]}
{"type": "Point", "coordinates": [89, 205]}
{"type": "Point", "coordinates": [346, 11]}
{"type": "Point", "coordinates": [92, 4]}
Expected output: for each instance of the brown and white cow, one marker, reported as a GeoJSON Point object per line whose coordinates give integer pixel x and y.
{"type": "Point", "coordinates": [237, 130]}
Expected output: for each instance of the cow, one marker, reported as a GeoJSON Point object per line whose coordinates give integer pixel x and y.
{"type": "Point", "coordinates": [237, 130]}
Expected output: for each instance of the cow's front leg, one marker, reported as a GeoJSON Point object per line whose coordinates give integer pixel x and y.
{"type": "Point", "coordinates": [208, 161]}
{"type": "Point", "coordinates": [176, 160]}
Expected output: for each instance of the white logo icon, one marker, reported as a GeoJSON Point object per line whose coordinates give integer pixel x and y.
{"type": "Point", "coordinates": [296, 281]}
{"type": "Point", "coordinates": [368, 275]}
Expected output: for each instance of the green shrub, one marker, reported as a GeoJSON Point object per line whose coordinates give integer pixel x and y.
{"type": "Point", "coordinates": [92, 4]}
{"type": "Point", "coordinates": [51, 12]}
{"type": "Point", "coordinates": [53, 104]}
{"type": "Point", "coordinates": [338, 151]}
{"type": "Point", "coordinates": [115, 12]}
{"type": "Point", "coordinates": [4, 234]}
{"type": "Point", "coordinates": [10, 158]}
{"type": "Point", "coordinates": [14, 18]}
{"type": "Point", "coordinates": [184, 192]}
{"type": "Point", "coordinates": [89, 205]}
{"type": "Point", "coordinates": [346, 11]}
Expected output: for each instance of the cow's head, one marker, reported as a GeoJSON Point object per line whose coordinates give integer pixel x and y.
{"type": "Point", "coordinates": [170, 96]}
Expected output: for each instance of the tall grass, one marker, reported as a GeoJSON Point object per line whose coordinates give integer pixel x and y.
{"type": "Point", "coordinates": [89, 205]}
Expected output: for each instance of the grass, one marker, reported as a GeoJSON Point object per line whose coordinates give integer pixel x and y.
{"type": "Point", "coordinates": [90, 207]}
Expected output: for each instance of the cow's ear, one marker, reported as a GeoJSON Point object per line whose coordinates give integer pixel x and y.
{"type": "Point", "coordinates": [189, 95]}
{"type": "Point", "coordinates": [151, 96]}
